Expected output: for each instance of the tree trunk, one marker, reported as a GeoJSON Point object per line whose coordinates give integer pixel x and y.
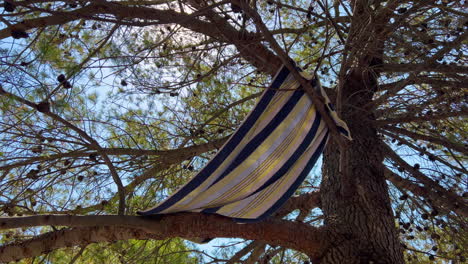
{"type": "Point", "coordinates": [357, 206]}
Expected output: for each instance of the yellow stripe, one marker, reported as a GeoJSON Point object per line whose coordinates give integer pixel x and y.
{"type": "Point", "coordinates": [259, 153]}
{"type": "Point", "coordinates": [249, 161]}
{"type": "Point", "coordinates": [280, 100]}
{"type": "Point", "coordinates": [277, 103]}
{"type": "Point", "coordinates": [273, 192]}
{"type": "Point", "coordinates": [271, 162]}
{"type": "Point", "coordinates": [259, 203]}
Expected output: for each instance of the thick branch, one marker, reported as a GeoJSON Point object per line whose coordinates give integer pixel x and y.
{"type": "Point", "coordinates": [248, 43]}
{"type": "Point", "coordinates": [66, 238]}
{"type": "Point", "coordinates": [295, 235]}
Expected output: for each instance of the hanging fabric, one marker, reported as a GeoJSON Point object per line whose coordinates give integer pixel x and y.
{"type": "Point", "coordinates": [264, 161]}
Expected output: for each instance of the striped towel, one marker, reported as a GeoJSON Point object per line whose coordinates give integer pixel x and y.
{"type": "Point", "coordinates": [264, 161]}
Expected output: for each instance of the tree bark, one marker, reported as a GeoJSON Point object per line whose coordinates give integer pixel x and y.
{"type": "Point", "coordinates": [107, 228]}
{"type": "Point", "coordinates": [357, 206]}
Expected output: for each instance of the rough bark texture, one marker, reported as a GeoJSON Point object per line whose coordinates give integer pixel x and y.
{"type": "Point", "coordinates": [66, 238]}
{"type": "Point", "coordinates": [357, 206]}
{"type": "Point", "coordinates": [91, 229]}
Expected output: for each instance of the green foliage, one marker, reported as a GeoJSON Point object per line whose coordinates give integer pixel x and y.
{"type": "Point", "coordinates": [142, 90]}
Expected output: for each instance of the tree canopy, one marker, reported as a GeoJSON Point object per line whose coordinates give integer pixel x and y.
{"type": "Point", "coordinates": [108, 106]}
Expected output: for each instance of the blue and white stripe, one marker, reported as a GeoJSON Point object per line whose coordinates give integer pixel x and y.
{"type": "Point", "coordinates": [264, 161]}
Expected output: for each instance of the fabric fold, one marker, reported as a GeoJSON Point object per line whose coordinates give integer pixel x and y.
{"type": "Point", "coordinates": [264, 161]}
